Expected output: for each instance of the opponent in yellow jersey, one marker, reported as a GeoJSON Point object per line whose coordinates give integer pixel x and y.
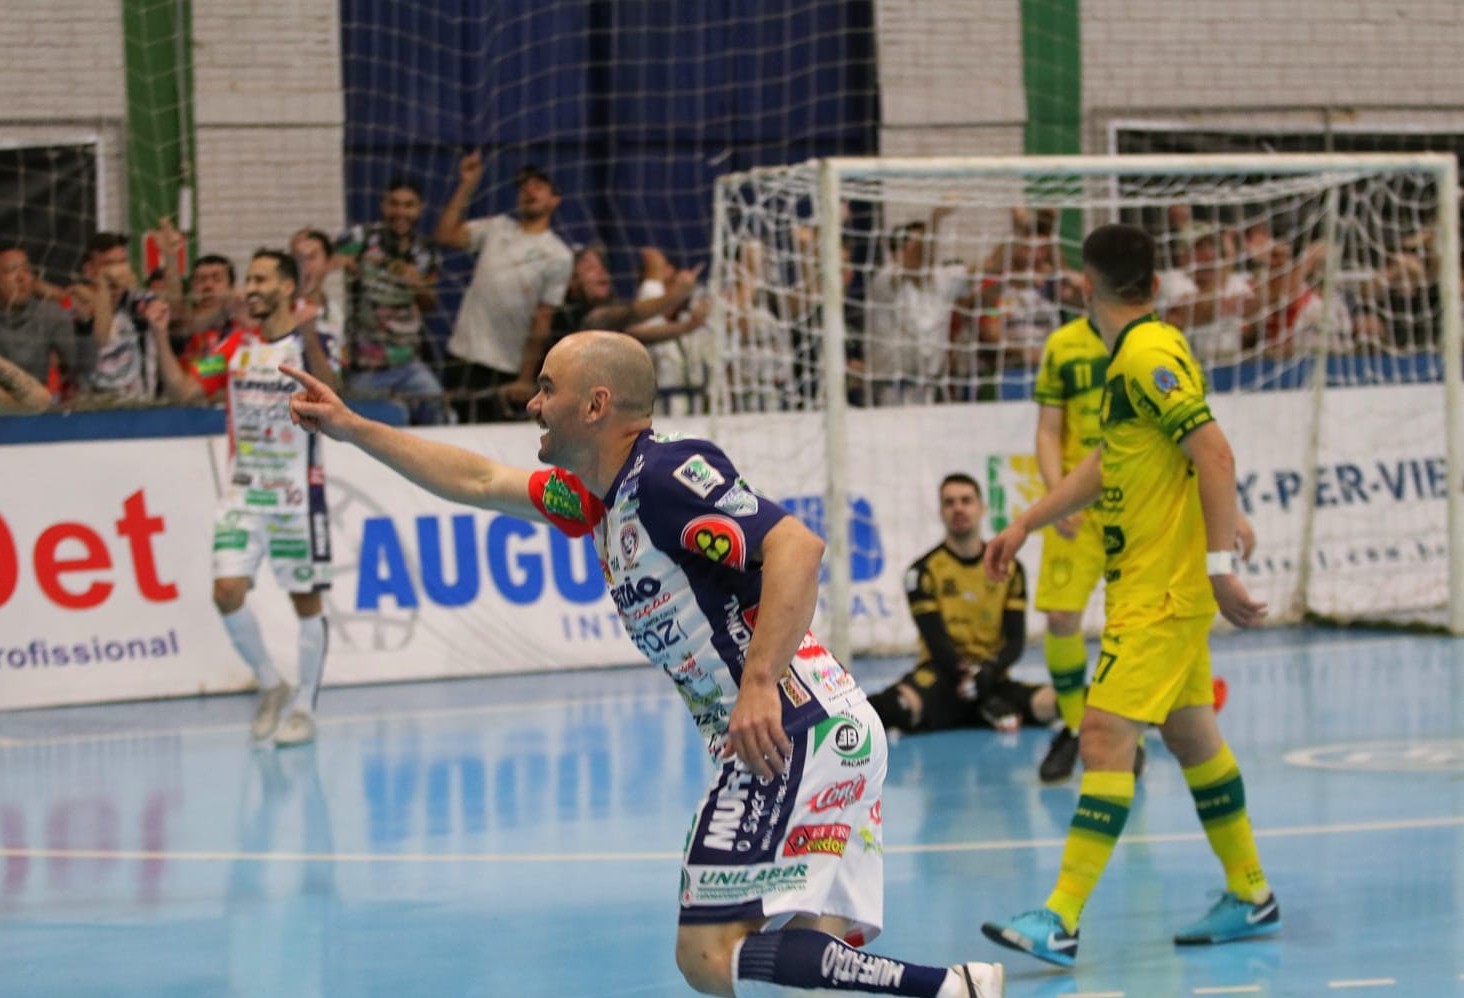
{"type": "Point", "coordinates": [1164, 481]}
{"type": "Point", "coordinates": [1152, 525]}
{"type": "Point", "coordinates": [1069, 393]}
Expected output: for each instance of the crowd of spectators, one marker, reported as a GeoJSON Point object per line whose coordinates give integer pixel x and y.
{"type": "Point", "coordinates": [922, 325]}
{"type": "Point", "coordinates": [99, 340]}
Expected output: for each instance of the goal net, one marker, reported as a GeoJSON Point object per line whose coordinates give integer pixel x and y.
{"type": "Point", "coordinates": [887, 316]}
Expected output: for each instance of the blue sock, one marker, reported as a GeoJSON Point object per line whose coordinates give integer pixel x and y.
{"type": "Point", "coordinates": [809, 962]}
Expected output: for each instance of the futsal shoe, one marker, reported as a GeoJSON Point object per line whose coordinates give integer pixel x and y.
{"type": "Point", "coordinates": [1039, 933]}
{"type": "Point", "coordinates": [982, 980]}
{"type": "Point", "coordinates": [267, 714]}
{"type": "Point", "coordinates": [1062, 755]}
{"type": "Point", "coordinates": [1232, 919]}
{"type": "Point", "coordinates": [298, 728]}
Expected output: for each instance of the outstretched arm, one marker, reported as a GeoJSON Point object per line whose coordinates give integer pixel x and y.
{"type": "Point", "coordinates": [444, 470]}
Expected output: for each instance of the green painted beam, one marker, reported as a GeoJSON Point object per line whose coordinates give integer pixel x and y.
{"type": "Point", "coordinates": [1052, 74]}
{"type": "Point", "coordinates": [158, 50]}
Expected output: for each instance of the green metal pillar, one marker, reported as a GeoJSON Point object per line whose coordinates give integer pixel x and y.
{"type": "Point", "coordinates": [1052, 73]}
{"type": "Point", "coordinates": [158, 46]}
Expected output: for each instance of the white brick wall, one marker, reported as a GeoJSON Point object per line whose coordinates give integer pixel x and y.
{"type": "Point", "coordinates": [1141, 54]}
{"type": "Point", "coordinates": [268, 108]}
{"type": "Point", "coordinates": [949, 62]}
{"type": "Point", "coordinates": [270, 117]}
{"type": "Point", "coordinates": [62, 83]}
{"type": "Point", "coordinates": [958, 63]}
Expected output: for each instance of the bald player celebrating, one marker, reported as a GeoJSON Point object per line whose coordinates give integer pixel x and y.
{"type": "Point", "coordinates": [716, 584]}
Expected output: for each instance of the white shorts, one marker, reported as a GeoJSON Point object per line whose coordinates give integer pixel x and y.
{"type": "Point", "coordinates": [810, 841]}
{"type": "Point", "coordinates": [298, 546]}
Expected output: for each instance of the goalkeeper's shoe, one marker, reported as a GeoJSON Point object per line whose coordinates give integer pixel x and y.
{"type": "Point", "coordinates": [267, 715]}
{"type": "Point", "coordinates": [1061, 757]}
{"type": "Point", "coordinates": [1231, 919]}
{"type": "Point", "coordinates": [1040, 933]}
{"type": "Point", "coordinates": [298, 728]}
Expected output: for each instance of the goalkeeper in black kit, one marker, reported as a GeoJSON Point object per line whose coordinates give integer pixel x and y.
{"type": "Point", "coordinates": [971, 632]}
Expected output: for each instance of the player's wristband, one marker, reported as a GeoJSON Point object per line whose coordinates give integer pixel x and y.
{"type": "Point", "coordinates": [1221, 563]}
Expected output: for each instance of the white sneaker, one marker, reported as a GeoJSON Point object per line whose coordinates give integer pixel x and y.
{"type": "Point", "coordinates": [298, 728]}
{"type": "Point", "coordinates": [982, 980]}
{"type": "Point", "coordinates": [267, 714]}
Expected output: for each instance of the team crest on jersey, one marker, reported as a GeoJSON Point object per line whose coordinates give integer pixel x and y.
{"type": "Point", "coordinates": [699, 476]}
{"type": "Point", "coordinates": [561, 500]}
{"type": "Point", "coordinates": [717, 539]}
{"type": "Point", "coordinates": [739, 500]}
{"type": "Point", "coordinates": [1165, 380]}
{"type": "Point", "coordinates": [629, 543]}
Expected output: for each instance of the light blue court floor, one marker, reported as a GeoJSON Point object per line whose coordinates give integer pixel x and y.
{"type": "Point", "coordinates": [520, 837]}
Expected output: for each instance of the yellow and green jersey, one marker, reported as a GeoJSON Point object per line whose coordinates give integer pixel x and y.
{"type": "Point", "coordinates": [1070, 378]}
{"type": "Point", "coordinates": [1153, 526]}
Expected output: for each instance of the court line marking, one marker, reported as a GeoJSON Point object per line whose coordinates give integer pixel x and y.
{"type": "Point", "coordinates": [1097, 994]}
{"type": "Point", "coordinates": [1373, 982]}
{"type": "Point", "coordinates": [230, 856]}
{"type": "Point", "coordinates": [1236, 989]}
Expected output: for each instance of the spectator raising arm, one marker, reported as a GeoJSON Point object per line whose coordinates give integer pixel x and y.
{"type": "Point", "coordinates": [452, 227]}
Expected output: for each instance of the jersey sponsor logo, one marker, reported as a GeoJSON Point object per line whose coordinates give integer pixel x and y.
{"type": "Point", "coordinates": [851, 741]}
{"type": "Point", "coordinates": [828, 840]}
{"type": "Point", "coordinates": [634, 591]}
{"type": "Point", "coordinates": [1165, 380]}
{"type": "Point", "coordinates": [629, 542]}
{"type": "Point", "coordinates": [561, 500]}
{"type": "Point", "coordinates": [698, 476]}
{"type": "Point", "coordinates": [738, 501]}
{"type": "Point", "coordinates": [838, 796]}
{"type": "Point", "coordinates": [792, 689]}
{"type": "Point", "coordinates": [717, 539]}
{"type": "Point", "coordinates": [831, 677]}
{"type": "Point", "coordinates": [727, 815]}
{"type": "Point", "coordinates": [1113, 540]}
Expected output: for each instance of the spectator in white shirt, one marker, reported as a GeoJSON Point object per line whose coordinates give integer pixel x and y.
{"type": "Point", "coordinates": [502, 328]}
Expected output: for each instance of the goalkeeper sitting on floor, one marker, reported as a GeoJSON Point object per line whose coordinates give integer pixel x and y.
{"type": "Point", "coordinates": [971, 631]}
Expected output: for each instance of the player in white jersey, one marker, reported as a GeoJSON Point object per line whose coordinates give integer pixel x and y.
{"type": "Point", "coordinates": [274, 500]}
{"type": "Point", "coordinates": [715, 583]}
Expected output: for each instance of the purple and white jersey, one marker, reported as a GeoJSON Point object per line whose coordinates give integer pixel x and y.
{"type": "Point", "coordinates": [677, 534]}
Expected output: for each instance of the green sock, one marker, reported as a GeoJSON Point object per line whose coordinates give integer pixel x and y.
{"type": "Point", "coordinates": [1067, 661]}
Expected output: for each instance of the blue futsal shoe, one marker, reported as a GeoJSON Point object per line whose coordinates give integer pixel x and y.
{"type": "Point", "coordinates": [1231, 919]}
{"type": "Point", "coordinates": [1039, 933]}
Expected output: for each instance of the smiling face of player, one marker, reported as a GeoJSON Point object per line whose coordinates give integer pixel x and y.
{"type": "Point", "coordinates": [558, 406]}
{"type": "Point", "coordinates": [961, 510]}
{"type": "Point", "coordinates": [268, 295]}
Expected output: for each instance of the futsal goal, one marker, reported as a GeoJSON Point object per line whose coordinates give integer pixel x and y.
{"type": "Point", "coordinates": [887, 316]}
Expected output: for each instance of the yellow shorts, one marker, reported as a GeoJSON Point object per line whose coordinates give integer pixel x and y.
{"type": "Point", "coordinates": [1070, 568]}
{"type": "Point", "coordinates": [1149, 668]}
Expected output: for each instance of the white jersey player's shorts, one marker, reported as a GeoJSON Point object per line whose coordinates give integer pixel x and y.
{"type": "Point", "coordinates": [297, 544]}
{"type": "Point", "coordinates": [809, 841]}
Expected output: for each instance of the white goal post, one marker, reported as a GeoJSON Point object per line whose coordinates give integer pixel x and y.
{"type": "Point", "coordinates": [1321, 292]}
